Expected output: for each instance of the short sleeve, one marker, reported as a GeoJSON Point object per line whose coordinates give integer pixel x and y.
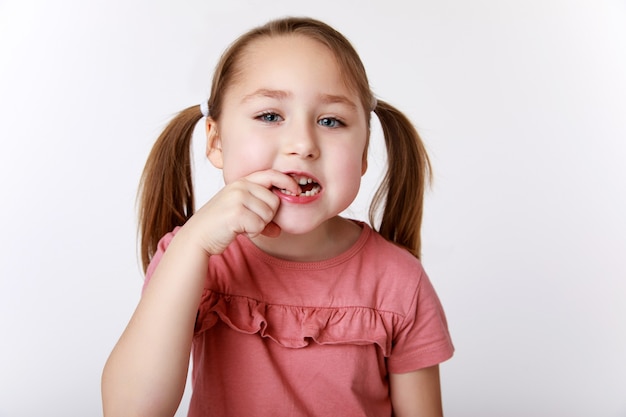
{"type": "Point", "coordinates": [422, 339]}
{"type": "Point", "coordinates": [161, 247]}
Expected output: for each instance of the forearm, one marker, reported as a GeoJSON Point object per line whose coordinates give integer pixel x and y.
{"type": "Point", "coordinates": [147, 370]}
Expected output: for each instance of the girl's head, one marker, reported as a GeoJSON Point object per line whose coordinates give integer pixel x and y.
{"type": "Point", "coordinates": [287, 104]}
{"type": "Point", "coordinates": [325, 79]}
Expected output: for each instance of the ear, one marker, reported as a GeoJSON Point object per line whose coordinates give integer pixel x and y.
{"type": "Point", "coordinates": [213, 144]}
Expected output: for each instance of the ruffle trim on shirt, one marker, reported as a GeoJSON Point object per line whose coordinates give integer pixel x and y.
{"type": "Point", "coordinates": [295, 326]}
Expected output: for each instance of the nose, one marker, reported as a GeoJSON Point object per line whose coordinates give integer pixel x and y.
{"type": "Point", "coordinates": [301, 141]}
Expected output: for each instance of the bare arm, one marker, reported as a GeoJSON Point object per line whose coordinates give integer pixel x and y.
{"type": "Point", "coordinates": [146, 371]}
{"type": "Point", "coordinates": [416, 394]}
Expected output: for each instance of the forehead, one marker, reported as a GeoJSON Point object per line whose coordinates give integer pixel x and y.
{"type": "Point", "coordinates": [291, 60]}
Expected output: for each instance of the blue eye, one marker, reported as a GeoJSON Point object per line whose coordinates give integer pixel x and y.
{"type": "Point", "coordinates": [330, 122]}
{"type": "Point", "coordinates": [270, 117]}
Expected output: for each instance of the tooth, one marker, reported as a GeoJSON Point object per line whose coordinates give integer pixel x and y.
{"type": "Point", "coordinates": [302, 181]}
{"type": "Point", "coordinates": [309, 181]}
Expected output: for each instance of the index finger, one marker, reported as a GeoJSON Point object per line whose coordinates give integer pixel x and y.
{"type": "Point", "coordinates": [275, 179]}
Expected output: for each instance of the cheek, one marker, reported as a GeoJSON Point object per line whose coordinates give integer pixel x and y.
{"type": "Point", "coordinates": [242, 159]}
{"type": "Point", "coordinates": [349, 168]}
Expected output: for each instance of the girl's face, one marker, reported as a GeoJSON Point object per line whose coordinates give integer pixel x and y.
{"type": "Point", "coordinates": [290, 110]}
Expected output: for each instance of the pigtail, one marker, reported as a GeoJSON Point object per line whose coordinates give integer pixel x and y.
{"type": "Point", "coordinates": [166, 197]}
{"type": "Point", "coordinates": [400, 196]}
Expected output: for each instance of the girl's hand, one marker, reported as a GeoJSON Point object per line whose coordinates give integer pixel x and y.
{"type": "Point", "coordinates": [247, 205]}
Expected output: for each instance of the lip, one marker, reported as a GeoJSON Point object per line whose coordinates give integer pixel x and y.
{"type": "Point", "coordinates": [294, 199]}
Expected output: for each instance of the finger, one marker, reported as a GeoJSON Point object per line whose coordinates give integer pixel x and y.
{"type": "Point", "coordinates": [275, 179]}
{"type": "Point", "coordinates": [257, 198]}
{"type": "Point", "coordinates": [261, 210]}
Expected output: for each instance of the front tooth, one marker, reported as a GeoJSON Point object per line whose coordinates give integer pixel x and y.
{"type": "Point", "coordinates": [302, 181]}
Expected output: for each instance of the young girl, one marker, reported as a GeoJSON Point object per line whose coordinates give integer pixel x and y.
{"type": "Point", "coordinates": [288, 308]}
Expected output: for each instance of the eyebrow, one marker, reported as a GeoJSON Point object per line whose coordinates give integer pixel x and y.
{"type": "Point", "coordinates": [331, 99]}
{"type": "Point", "coordinates": [265, 92]}
{"type": "Point", "coordinates": [283, 95]}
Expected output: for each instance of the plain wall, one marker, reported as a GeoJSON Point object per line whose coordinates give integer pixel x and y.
{"type": "Point", "coordinates": [522, 105]}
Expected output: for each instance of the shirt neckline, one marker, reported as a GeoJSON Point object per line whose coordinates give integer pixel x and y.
{"type": "Point", "coordinates": [251, 248]}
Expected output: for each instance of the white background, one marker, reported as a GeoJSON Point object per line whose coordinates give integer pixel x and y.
{"type": "Point", "coordinates": [522, 105]}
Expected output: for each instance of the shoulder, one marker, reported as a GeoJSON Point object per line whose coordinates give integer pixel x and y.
{"type": "Point", "coordinates": [393, 273]}
{"type": "Point", "coordinates": [390, 257]}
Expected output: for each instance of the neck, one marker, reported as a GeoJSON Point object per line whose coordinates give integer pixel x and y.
{"type": "Point", "coordinates": [328, 240]}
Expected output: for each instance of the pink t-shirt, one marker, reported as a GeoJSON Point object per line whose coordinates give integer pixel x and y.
{"type": "Point", "coordinates": [281, 338]}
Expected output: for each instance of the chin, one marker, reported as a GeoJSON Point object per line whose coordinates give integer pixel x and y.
{"type": "Point", "coordinates": [294, 226]}
{"type": "Point", "coordinates": [292, 229]}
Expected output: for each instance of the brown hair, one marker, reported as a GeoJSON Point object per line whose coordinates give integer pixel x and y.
{"type": "Point", "coordinates": [166, 197]}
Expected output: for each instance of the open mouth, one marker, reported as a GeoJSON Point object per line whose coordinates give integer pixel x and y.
{"type": "Point", "coordinates": [308, 186]}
